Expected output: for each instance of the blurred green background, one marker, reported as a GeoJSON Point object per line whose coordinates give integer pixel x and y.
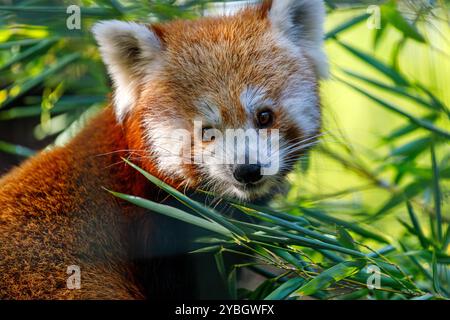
{"type": "Point", "coordinates": [384, 159]}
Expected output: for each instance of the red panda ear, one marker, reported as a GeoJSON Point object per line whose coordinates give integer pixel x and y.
{"type": "Point", "coordinates": [301, 21]}
{"type": "Point", "coordinates": [130, 51]}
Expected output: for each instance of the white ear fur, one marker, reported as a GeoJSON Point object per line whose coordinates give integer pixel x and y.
{"type": "Point", "coordinates": [130, 52]}
{"type": "Point", "coordinates": [301, 21]}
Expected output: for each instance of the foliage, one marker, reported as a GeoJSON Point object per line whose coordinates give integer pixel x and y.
{"type": "Point", "coordinates": [321, 244]}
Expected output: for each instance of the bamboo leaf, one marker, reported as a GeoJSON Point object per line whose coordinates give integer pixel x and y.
{"type": "Point", "coordinates": [92, 11]}
{"type": "Point", "coordinates": [173, 213]}
{"type": "Point", "coordinates": [355, 295]}
{"type": "Point", "coordinates": [377, 64]}
{"type": "Point", "coordinates": [221, 265]}
{"type": "Point", "coordinates": [306, 242]}
{"type": "Point", "coordinates": [346, 25]}
{"type": "Point", "coordinates": [357, 228]}
{"type": "Point", "coordinates": [292, 226]}
{"type": "Point", "coordinates": [19, 90]}
{"type": "Point", "coordinates": [286, 289]}
{"type": "Point", "coordinates": [436, 281]}
{"type": "Point", "coordinates": [427, 296]}
{"type": "Point", "coordinates": [411, 149]}
{"type": "Point", "coordinates": [415, 221]}
{"type": "Point", "coordinates": [16, 149]}
{"type": "Point", "coordinates": [330, 276]}
{"type": "Point", "coordinates": [232, 284]}
{"type": "Point", "coordinates": [397, 90]}
{"type": "Point", "coordinates": [345, 239]}
{"type": "Point", "coordinates": [408, 128]}
{"type": "Point", "coordinates": [65, 104]}
{"type": "Point", "coordinates": [391, 107]}
{"type": "Point", "coordinates": [437, 194]}
{"type": "Point", "coordinates": [24, 42]}
{"type": "Point", "coordinates": [28, 52]}
{"type": "Point", "coordinates": [390, 12]}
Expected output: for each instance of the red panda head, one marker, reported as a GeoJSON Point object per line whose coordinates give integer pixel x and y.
{"type": "Point", "coordinates": [221, 103]}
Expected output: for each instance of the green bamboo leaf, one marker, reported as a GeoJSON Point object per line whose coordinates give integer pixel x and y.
{"type": "Point", "coordinates": [377, 64]}
{"type": "Point", "coordinates": [330, 276]}
{"type": "Point", "coordinates": [408, 128]}
{"type": "Point", "coordinates": [20, 89]}
{"type": "Point", "coordinates": [446, 239]}
{"type": "Point", "coordinates": [427, 255]}
{"type": "Point", "coordinates": [28, 52]}
{"type": "Point", "coordinates": [390, 12]}
{"type": "Point", "coordinates": [331, 256]}
{"type": "Point", "coordinates": [345, 239]}
{"type": "Point", "coordinates": [24, 42]}
{"type": "Point", "coordinates": [410, 191]}
{"type": "Point", "coordinates": [391, 107]}
{"type": "Point", "coordinates": [301, 221]}
{"type": "Point", "coordinates": [16, 149]}
{"type": "Point", "coordinates": [211, 240]}
{"type": "Point", "coordinates": [232, 284]}
{"type": "Point", "coordinates": [396, 53]}
{"type": "Point", "coordinates": [418, 265]}
{"type": "Point", "coordinates": [306, 242]}
{"type": "Point", "coordinates": [412, 230]}
{"type": "Point", "coordinates": [207, 249]}
{"type": "Point", "coordinates": [264, 251]}
{"type": "Point", "coordinates": [87, 11]}
{"type": "Point", "coordinates": [437, 194]}
{"type": "Point", "coordinates": [118, 6]}
{"type": "Point", "coordinates": [443, 259]}
{"type": "Point", "coordinates": [65, 104]}
{"type": "Point", "coordinates": [436, 101]}
{"type": "Point", "coordinates": [173, 213]}
{"type": "Point", "coordinates": [397, 90]}
{"type": "Point", "coordinates": [264, 289]}
{"type": "Point", "coordinates": [383, 251]}
{"type": "Point", "coordinates": [427, 296]}
{"type": "Point", "coordinates": [411, 149]}
{"type": "Point", "coordinates": [355, 295]}
{"type": "Point", "coordinates": [436, 282]}
{"type": "Point", "coordinates": [330, 4]}
{"type": "Point", "coordinates": [415, 221]}
{"type": "Point", "coordinates": [221, 265]}
{"type": "Point", "coordinates": [288, 257]}
{"type": "Point", "coordinates": [286, 216]}
{"type": "Point", "coordinates": [386, 281]}
{"type": "Point", "coordinates": [357, 228]}
{"type": "Point", "coordinates": [286, 289]}
{"type": "Point", "coordinates": [207, 212]}
{"type": "Point", "coordinates": [379, 32]}
{"type": "Point", "coordinates": [346, 25]}
{"type": "Point", "coordinates": [280, 222]}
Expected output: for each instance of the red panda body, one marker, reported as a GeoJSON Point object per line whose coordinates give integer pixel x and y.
{"type": "Point", "coordinates": [230, 72]}
{"type": "Point", "coordinates": [53, 216]}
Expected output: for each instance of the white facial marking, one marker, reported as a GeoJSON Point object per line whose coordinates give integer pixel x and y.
{"type": "Point", "coordinates": [253, 98]}
{"type": "Point", "coordinates": [210, 113]}
{"type": "Point", "coordinates": [169, 142]}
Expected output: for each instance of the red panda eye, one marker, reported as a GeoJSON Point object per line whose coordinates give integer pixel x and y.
{"type": "Point", "coordinates": [207, 134]}
{"type": "Point", "coordinates": [265, 118]}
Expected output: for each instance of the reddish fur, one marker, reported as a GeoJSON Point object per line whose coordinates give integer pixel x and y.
{"type": "Point", "coordinates": [53, 210]}
{"type": "Point", "coordinates": [53, 213]}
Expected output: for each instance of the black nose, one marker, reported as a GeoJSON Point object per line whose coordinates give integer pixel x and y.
{"type": "Point", "coordinates": [247, 173]}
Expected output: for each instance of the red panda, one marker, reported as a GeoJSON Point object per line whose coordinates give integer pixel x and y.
{"type": "Point", "coordinates": [256, 69]}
